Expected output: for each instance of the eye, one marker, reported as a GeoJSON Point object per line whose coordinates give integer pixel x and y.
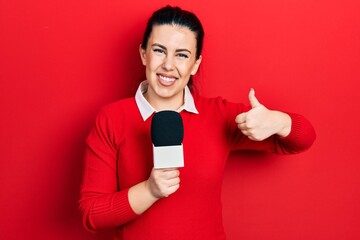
{"type": "Point", "coordinates": [182, 55]}
{"type": "Point", "coordinates": [158, 50]}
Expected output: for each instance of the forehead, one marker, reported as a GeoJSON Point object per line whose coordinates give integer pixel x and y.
{"type": "Point", "coordinates": [173, 36]}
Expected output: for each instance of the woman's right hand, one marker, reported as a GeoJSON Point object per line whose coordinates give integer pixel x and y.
{"type": "Point", "coordinates": [163, 182]}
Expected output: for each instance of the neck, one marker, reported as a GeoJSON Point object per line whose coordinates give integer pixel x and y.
{"type": "Point", "coordinates": [160, 104]}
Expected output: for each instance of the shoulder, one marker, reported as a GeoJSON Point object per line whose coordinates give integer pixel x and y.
{"type": "Point", "coordinates": [119, 110]}
{"type": "Point", "coordinates": [114, 117]}
{"type": "Point", "coordinates": [120, 104]}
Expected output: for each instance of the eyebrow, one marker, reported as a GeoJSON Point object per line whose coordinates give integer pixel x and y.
{"type": "Point", "coordinates": [177, 50]}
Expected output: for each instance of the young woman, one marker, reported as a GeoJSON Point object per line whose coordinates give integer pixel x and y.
{"type": "Point", "coordinates": [122, 190]}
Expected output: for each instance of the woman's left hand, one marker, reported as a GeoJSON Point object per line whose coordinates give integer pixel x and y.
{"type": "Point", "coordinates": [260, 123]}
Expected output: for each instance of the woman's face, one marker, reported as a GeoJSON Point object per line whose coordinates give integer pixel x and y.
{"type": "Point", "coordinates": [170, 60]}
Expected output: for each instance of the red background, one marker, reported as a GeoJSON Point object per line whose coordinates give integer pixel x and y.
{"type": "Point", "coordinates": [60, 61]}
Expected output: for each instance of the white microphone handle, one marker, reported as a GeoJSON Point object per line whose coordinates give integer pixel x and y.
{"type": "Point", "coordinates": [168, 156]}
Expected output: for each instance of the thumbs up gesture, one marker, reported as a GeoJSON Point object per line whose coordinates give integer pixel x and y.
{"type": "Point", "coordinates": [260, 123]}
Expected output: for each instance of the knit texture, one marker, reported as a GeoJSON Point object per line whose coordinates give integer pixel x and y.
{"type": "Point", "coordinates": [119, 155]}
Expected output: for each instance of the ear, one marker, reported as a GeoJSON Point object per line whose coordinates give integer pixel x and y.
{"type": "Point", "coordinates": [196, 66]}
{"type": "Point", "coordinates": [142, 55]}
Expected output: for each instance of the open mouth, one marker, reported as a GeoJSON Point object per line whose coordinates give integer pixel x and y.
{"type": "Point", "coordinates": [167, 79]}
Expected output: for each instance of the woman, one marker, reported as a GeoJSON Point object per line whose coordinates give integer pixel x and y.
{"type": "Point", "coordinates": [122, 190]}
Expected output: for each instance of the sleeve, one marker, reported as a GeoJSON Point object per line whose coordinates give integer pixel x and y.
{"type": "Point", "coordinates": [102, 203]}
{"type": "Point", "coordinates": [301, 137]}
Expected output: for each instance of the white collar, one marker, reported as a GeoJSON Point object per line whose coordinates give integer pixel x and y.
{"type": "Point", "coordinates": [146, 110]}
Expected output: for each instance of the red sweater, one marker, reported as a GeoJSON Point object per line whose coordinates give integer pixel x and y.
{"type": "Point", "coordinates": [119, 155]}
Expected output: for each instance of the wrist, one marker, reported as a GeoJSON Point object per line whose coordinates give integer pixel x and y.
{"type": "Point", "coordinates": [284, 121]}
{"type": "Point", "coordinates": [140, 198]}
{"type": "Point", "coordinates": [148, 190]}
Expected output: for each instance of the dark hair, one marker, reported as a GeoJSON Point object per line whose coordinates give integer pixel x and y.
{"type": "Point", "coordinates": [176, 16]}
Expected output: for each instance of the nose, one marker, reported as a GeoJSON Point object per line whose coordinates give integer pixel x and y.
{"type": "Point", "coordinates": [168, 63]}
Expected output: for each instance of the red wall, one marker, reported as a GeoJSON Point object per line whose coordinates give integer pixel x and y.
{"type": "Point", "coordinates": [61, 60]}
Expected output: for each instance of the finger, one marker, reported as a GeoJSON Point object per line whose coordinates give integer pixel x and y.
{"type": "Point", "coordinates": [168, 169]}
{"type": "Point", "coordinates": [173, 182]}
{"type": "Point", "coordinates": [253, 100]}
{"type": "Point", "coordinates": [254, 138]}
{"type": "Point", "coordinates": [241, 118]}
{"type": "Point", "coordinates": [242, 126]}
{"type": "Point", "coordinates": [169, 174]}
{"type": "Point", "coordinates": [244, 131]}
{"type": "Point", "coordinates": [249, 132]}
{"type": "Point", "coordinates": [172, 189]}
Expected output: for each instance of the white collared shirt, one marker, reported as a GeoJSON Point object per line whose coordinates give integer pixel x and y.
{"type": "Point", "coordinates": [146, 110]}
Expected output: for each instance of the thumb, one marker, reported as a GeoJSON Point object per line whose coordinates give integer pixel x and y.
{"type": "Point", "coordinates": [253, 100]}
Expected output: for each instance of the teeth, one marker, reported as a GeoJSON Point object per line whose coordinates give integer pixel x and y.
{"type": "Point", "coordinates": [167, 79]}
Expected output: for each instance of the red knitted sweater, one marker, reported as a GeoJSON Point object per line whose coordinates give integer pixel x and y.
{"type": "Point", "coordinates": [119, 155]}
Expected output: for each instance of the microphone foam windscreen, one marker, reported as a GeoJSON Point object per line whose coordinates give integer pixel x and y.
{"type": "Point", "coordinates": [167, 128]}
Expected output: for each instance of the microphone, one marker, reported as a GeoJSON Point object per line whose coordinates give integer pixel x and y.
{"type": "Point", "coordinates": [167, 133]}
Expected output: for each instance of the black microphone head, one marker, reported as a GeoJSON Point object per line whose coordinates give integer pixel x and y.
{"type": "Point", "coordinates": [167, 128]}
